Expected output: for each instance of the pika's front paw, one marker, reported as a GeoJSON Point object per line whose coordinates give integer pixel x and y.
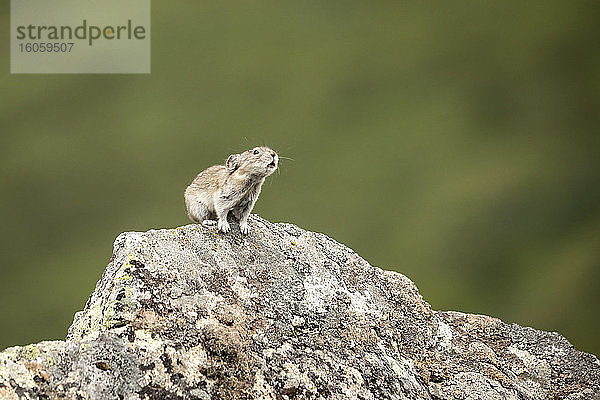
{"type": "Point", "coordinates": [209, 222]}
{"type": "Point", "coordinates": [224, 226]}
{"type": "Point", "coordinates": [244, 227]}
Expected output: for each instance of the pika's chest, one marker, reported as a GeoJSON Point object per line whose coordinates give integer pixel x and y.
{"type": "Point", "coordinates": [240, 192]}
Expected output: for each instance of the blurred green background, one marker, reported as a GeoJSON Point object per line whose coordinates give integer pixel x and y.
{"type": "Point", "coordinates": [455, 142]}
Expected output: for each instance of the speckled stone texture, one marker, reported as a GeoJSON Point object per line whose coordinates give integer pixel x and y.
{"type": "Point", "coordinates": [282, 313]}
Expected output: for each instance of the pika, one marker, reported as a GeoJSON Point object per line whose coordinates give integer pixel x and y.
{"type": "Point", "coordinates": [233, 187]}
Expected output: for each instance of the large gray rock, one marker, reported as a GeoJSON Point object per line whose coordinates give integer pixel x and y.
{"type": "Point", "coordinates": [283, 313]}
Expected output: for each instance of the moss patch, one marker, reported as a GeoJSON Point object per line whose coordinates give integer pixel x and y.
{"type": "Point", "coordinates": [30, 352]}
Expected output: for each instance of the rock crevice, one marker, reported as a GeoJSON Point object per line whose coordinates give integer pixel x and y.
{"type": "Point", "coordinates": [282, 313]}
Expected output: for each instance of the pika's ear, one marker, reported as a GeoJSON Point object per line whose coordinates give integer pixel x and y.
{"type": "Point", "coordinates": [233, 162]}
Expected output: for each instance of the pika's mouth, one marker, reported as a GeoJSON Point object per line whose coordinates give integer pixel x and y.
{"type": "Point", "coordinates": [271, 164]}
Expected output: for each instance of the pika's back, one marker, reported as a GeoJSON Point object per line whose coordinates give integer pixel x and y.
{"type": "Point", "coordinates": [211, 178]}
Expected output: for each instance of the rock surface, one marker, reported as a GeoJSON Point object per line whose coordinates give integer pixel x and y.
{"type": "Point", "coordinates": [283, 313]}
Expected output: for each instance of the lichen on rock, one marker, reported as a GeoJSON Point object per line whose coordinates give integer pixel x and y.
{"type": "Point", "coordinates": [282, 313]}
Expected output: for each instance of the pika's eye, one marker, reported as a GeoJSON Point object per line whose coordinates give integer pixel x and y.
{"type": "Point", "coordinates": [255, 151]}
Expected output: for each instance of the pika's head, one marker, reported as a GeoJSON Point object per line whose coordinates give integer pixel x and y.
{"type": "Point", "coordinates": [259, 162]}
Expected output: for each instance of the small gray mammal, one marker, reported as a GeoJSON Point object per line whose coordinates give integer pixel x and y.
{"type": "Point", "coordinates": [233, 187]}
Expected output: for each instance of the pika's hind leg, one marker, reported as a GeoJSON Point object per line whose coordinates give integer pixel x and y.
{"type": "Point", "coordinates": [198, 212]}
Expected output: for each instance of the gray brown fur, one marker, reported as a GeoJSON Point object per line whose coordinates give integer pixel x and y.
{"type": "Point", "coordinates": [233, 187]}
